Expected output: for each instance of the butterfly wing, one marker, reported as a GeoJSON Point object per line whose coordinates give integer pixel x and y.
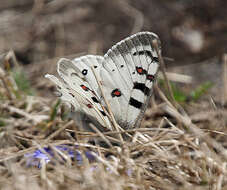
{"type": "Point", "coordinates": [79, 87]}
{"type": "Point", "coordinates": [127, 75]}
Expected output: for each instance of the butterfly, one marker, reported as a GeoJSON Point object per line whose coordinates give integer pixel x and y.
{"type": "Point", "coordinates": [126, 74]}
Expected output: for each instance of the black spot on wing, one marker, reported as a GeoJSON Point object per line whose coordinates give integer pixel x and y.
{"type": "Point", "coordinates": [148, 53]}
{"type": "Point", "coordinates": [102, 112]}
{"type": "Point", "coordinates": [71, 94]}
{"type": "Point", "coordinates": [84, 72]}
{"type": "Point", "coordinates": [135, 103]}
{"type": "Point", "coordinates": [139, 53]}
{"type": "Point", "coordinates": [155, 59]}
{"type": "Point", "coordinates": [142, 87]}
{"type": "Point", "coordinates": [95, 99]}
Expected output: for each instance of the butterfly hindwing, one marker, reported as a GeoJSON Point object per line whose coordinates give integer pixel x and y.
{"type": "Point", "coordinates": [72, 74]}
{"type": "Point", "coordinates": [84, 64]}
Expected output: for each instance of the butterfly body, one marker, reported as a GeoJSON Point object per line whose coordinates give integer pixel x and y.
{"type": "Point", "coordinates": [126, 72]}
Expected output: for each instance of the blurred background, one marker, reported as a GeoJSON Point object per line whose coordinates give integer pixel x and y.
{"type": "Point", "coordinates": [41, 31]}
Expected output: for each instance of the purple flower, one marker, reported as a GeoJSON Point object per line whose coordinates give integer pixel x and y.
{"type": "Point", "coordinates": [47, 154]}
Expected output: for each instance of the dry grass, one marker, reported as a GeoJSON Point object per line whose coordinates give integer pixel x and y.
{"type": "Point", "coordinates": [172, 150]}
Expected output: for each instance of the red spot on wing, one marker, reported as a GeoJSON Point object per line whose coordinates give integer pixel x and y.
{"type": "Point", "coordinates": [116, 92]}
{"type": "Point", "coordinates": [150, 77]}
{"type": "Point", "coordinates": [84, 87]}
{"type": "Point", "coordinates": [89, 106]}
{"type": "Point", "coordinates": [139, 70]}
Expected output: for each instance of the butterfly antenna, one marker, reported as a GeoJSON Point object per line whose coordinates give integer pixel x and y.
{"type": "Point", "coordinates": [116, 126]}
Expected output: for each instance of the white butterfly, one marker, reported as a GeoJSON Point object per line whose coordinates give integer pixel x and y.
{"type": "Point", "coordinates": [126, 72]}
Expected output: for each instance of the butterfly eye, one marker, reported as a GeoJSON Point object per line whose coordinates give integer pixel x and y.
{"type": "Point", "coordinates": [113, 70]}
{"type": "Point", "coordinates": [95, 66]}
{"type": "Point", "coordinates": [84, 72]}
{"type": "Point", "coordinates": [122, 66]}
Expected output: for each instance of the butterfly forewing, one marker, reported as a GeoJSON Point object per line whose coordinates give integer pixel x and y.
{"type": "Point", "coordinates": [116, 55]}
{"type": "Point", "coordinates": [133, 59]}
